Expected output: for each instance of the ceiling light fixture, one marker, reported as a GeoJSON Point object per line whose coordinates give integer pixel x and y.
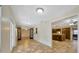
{"type": "Point", "coordinates": [39, 10]}
{"type": "Point", "coordinates": [71, 24]}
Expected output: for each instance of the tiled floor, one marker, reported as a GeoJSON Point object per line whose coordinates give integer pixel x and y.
{"type": "Point", "coordinates": [32, 46]}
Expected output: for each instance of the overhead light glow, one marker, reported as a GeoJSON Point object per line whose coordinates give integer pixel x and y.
{"type": "Point", "coordinates": [39, 10]}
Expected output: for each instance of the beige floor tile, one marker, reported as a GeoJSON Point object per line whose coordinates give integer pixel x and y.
{"type": "Point", "coordinates": [32, 46]}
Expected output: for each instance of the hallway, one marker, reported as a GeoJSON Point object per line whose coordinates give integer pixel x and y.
{"type": "Point", "coordinates": [39, 22]}
{"type": "Point", "coordinates": [32, 46]}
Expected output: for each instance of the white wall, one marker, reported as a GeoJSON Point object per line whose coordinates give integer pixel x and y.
{"type": "Point", "coordinates": [5, 35]}
{"type": "Point", "coordinates": [8, 30]}
{"type": "Point", "coordinates": [0, 27]}
{"type": "Point", "coordinates": [44, 33]}
{"type": "Point", "coordinates": [12, 35]}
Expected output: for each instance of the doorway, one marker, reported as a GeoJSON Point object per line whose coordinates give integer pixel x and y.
{"type": "Point", "coordinates": [31, 33]}
{"type": "Point", "coordinates": [65, 35]}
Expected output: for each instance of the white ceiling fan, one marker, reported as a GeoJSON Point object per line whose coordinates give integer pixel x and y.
{"type": "Point", "coordinates": [73, 22]}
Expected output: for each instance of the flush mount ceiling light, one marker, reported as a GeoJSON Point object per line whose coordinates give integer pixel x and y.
{"type": "Point", "coordinates": [39, 10]}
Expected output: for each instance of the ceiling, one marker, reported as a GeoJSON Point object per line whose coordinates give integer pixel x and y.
{"type": "Point", "coordinates": [68, 22]}
{"type": "Point", "coordinates": [26, 14]}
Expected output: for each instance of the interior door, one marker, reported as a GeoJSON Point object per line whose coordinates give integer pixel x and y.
{"type": "Point", "coordinates": [19, 33]}
{"type": "Point", "coordinates": [31, 33]}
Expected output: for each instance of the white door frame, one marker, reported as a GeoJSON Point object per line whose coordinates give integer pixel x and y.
{"type": "Point", "coordinates": [0, 27]}
{"type": "Point", "coordinates": [78, 36]}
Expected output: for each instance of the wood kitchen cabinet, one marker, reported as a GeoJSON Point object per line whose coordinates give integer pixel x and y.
{"type": "Point", "coordinates": [61, 34]}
